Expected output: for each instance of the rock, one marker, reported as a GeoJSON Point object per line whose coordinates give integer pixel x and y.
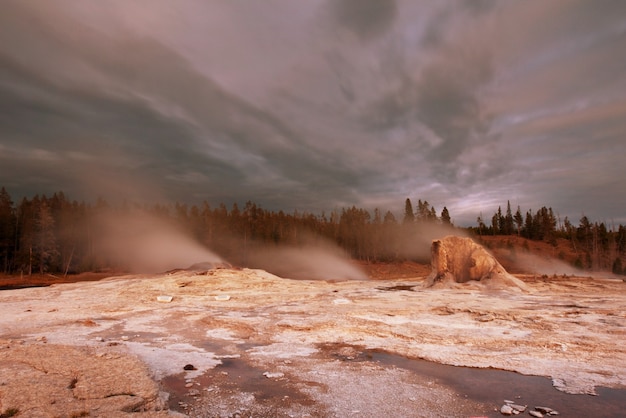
{"type": "Point", "coordinates": [53, 378]}
{"type": "Point", "coordinates": [506, 410]}
{"type": "Point", "coordinates": [519, 408]}
{"type": "Point", "coordinates": [189, 367]}
{"type": "Point", "coordinates": [535, 414]}
{"type": "Point", "coordinates": [273, 375]}
{"type": "Point", "coordinates": [543, 409]}
{"type": "Point", "coordinates": [461, 260]}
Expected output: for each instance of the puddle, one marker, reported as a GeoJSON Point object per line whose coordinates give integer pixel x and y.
{"type": "Point", "coordinates": [22, 286]}
{"type": "Point", "coordinates": [492, 387]}
{"type": "Point", "coordinates": [251, 379]}
{"type": "Point", "coordinates": [230, 379]}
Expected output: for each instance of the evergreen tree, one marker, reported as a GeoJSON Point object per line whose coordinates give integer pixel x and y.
{"type": "Point", "coordinates": [45, 250]}
{"type": "Point", "coordinates": [389, 218]}
{"type": "Point", "coordinates": [621, 240]}
{"type": "Point", "coordinates": [408, 212]}
{"type": "Point", "coordinates": [519, 220]}
{"type": "Point", "coordinates": [424, 212]}
{"type": "Point", "coordinates": [7, 231]}
{"type": "Point", "coordinates": [481, 224]}
{"type": "Point", "coordinates": [617, 266]}
{"type": "Point", "coordinates": [508, 220]}
{"type": "Point", "coordinates": [496, 222]}
{"type": "Point", "coordinates": [432, 216]}
{"type": "Point", "coordinates": [445, 217]}
{"type": "Point", "coordinates": [529, 227]}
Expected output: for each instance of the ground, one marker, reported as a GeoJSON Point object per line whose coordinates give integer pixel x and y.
{"type": "Point", "coordinates": [241, 342]}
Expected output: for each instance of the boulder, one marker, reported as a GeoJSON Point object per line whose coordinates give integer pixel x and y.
{"type": "Point", "coordinates": [457, 259]}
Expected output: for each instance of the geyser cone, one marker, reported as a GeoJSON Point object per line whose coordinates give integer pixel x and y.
{"type": "Point", "coordinates": [461, 260]}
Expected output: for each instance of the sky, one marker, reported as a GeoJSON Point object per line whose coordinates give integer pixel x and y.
{"type": "Point", "coordinates": [318, 105]}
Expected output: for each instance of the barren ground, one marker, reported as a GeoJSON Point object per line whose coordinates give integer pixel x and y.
{"type": "Point", "coordinates": [111, 348]}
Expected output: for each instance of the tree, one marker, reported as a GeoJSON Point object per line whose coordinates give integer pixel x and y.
{"type": "Point", "coordinates": [389, 218]}
{"type": "Point", "coordinates": [45, 249]}
{"type": "Point", "coordinates": [621, 239]}
{"type": "Point", "coordinates": [508, 220]}
{"type": "Point", "coordinates": [432, 216]}
{"type": "Point", "coordinates": [481, 223]}
{"type": "Point", "coordinates": [424, 211]}
{"type": "Point", "coordinates": [445, 216]}
{"type": "Point", "coordinates": [496, 222]}
{"type": "Point", "coordinates": [519, 220]}
{"type": "Point", "coordinates": [408, 212]}
{"type": "Point", "coordinates": [529, 226]}
{"type": "Point", "coordinates": [617, 266]}
{"type": "Point", "coordinates": [7, 230]}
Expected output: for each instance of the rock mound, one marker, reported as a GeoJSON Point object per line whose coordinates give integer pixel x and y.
{"type": "Point", "coordinates": [460, 260]}
{"type": "Point", "coordinates": [48, 380]}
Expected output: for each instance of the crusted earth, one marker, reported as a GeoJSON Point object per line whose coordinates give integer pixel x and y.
{"type": "Point", "coordinates": [230, 342]}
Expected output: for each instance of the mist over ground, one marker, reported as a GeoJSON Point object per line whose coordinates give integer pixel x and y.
{"type": "Point", "coordinates": [145, 243]}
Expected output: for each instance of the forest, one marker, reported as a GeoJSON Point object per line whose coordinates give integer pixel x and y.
{"type": "Point", "coordinates": [57, 235]}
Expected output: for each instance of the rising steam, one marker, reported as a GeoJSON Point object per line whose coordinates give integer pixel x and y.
{"type": "Point", "coordinates": [414, 242]}
{"type": "Point", "coordinates": [144, 243]}
{"type": "Point", "coordinates": [542, 265]}
{"type": "Point", "coordinates": [315, 261]}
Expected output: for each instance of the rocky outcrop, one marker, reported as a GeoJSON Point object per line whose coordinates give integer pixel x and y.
{"type": "Point", "coordinates": [56, 380]}
{"type": "Point", "coordinates": [460, 260]}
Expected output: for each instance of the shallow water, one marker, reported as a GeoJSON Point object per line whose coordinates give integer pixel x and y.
{"type": "Point", "coordinates": [234, 376]}
{"type": "Point", "coordinates": [489, 387]}
{"type": "Point", "coordinates": [492, 387]}
{"type": "Point", "coordinates": [22, 286]}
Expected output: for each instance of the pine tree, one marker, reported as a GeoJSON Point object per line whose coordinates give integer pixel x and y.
{"type": "Point", "coordinates": [7, 231]}
{"type": "Point", "coordinates": [445, 216]}
{"type": "Point", "coordinates": [45, 249]}
{"type": "Point", "coordinates": [508, 220]}
{"type": "Point", "coordinates": [519, 220]}
{"type": "Point", "coordinates": [408, 212]}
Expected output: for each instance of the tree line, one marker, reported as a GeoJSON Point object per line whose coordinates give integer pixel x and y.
{"type": "Point", "coordinates": [54, 234]}
{"type": "Point", "coordinates": [599, 247]}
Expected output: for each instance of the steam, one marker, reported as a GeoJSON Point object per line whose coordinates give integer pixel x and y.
{"type": "Point", "coordinates": [415, 242]}
{"type": "Point", "coordinates": [548, 266]}
{"type": "Point", "coordinates": [145, 243]}
{"type": "Point", "coordinates": [319, 260]}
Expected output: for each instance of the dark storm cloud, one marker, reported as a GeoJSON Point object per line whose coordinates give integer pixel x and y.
{"type": "Point", "coordinates": [236, 134]}
{"type": "Point", "coordinates": [365, 18]}
{"type": "Point", "coordinates": [317, 105]}
{"type": "Point", "coordinates": [447, 102]}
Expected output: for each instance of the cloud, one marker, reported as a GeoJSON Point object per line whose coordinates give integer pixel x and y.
{"type": "Point", "coordinates": [364, 18]}
{"type": "Point", "coordinates": [318, 105]}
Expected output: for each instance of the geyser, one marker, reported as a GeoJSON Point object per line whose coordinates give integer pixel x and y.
{"type": "Point", "coordinates": [461, 260]}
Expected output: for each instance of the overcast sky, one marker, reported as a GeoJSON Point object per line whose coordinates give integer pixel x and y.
{"type": "Point", "coordinates": [317, 105]}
